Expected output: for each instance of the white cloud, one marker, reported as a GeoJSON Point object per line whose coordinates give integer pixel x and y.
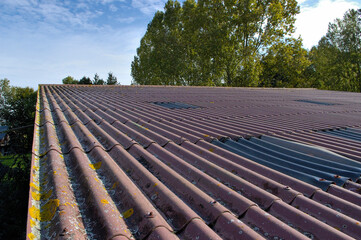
{"type": "Point", "coordinates": [312, 22]}
{"type": "Point", "coordinates": [113, 8]}
{"type": "Point", "coordinates": [111, 1]}
{"type": "Point", "coordinates": [82, 5]}
{"type": "Point", "coordinates": [16, 3]}
{"type": "Point", "coordinates": [126, 20]}
{"type": "Point", "coordinates": [54, 14]}
{"type": "Point", "coordinates": [148, 6]}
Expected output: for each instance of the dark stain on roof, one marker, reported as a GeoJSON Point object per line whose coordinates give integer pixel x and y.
{"type": "Point", "coordinates": [175, 105]}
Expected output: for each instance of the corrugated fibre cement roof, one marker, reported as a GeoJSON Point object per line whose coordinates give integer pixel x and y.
{"type": "Point", "coordinates": [156, 162]}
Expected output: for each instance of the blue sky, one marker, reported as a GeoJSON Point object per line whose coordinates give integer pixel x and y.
{"type": "Point", "coordinates": [43, 41]}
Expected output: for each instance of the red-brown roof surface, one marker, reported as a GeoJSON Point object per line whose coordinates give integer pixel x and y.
{"type": "Point", "coordinates": [124, 162]}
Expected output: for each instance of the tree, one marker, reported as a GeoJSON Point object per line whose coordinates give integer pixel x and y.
{"type": "Point", "coordinates": [211, 42]}
{"type": "Point", "coordinates": [111, 80]}
{"type": "Point", "coordinates": [85, 80]}
{"type": "Point", "coordinates": [17, 105]}
{"type": "Point", "coordinates": [17, 110]}
{"type": "Point", "coordinates": [5, 92]}
{"type": "Point", "coordinates": [160, 50]}
{"type": "Point", "coordinates": [285, 65]}
{"type": "Point", "coordinates": [97, 80]}
{"type": "Point", "coordinates": [337, 57]}
{"type": "Point", "coordinates": [70, 80]}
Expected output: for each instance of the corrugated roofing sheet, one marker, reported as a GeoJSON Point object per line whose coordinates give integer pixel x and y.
{"type": "Point", "coordinates": [294, 160]}
{"type": "Point", "coordinates": [348, 133]}
{"type": "Point", "coordinates": [108, 163]}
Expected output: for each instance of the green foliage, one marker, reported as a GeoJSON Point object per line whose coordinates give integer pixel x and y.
{"type": "Point", "coordinates": [70, 80]}
{"type": "Point", "coordinates": [85, 80]}
{"type": "Point", "coordinates": [336, 60]}
{"type": "Point", "coordinates": [97, 80]}
{"type": "Point", "coordinates": [161, 50]}
{"type": "Point", "coordinates": [17, 106]}
{"type": "Point", "coordinates": [14, 189]}
{"type": "Point", "coordinates": [211, 42]}
{"type": "Point", "coordinates": [245, 43]}
{"type": "Point", "coordinates": [285, 65]}
{"type": "Point", "coordinates": [111, 80]}
{"type": "Point", "coordinates": [17, 110]}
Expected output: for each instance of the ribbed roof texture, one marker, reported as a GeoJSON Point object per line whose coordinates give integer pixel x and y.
{"type": "Point", "coordinates": [136, 162]}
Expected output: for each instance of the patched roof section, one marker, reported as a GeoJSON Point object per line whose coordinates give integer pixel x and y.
{"type": "Point", "coordinates": [207, 163]}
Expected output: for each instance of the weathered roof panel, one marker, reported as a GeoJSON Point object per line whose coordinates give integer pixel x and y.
{"type": "Point", "coordinates": [152, 162]}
